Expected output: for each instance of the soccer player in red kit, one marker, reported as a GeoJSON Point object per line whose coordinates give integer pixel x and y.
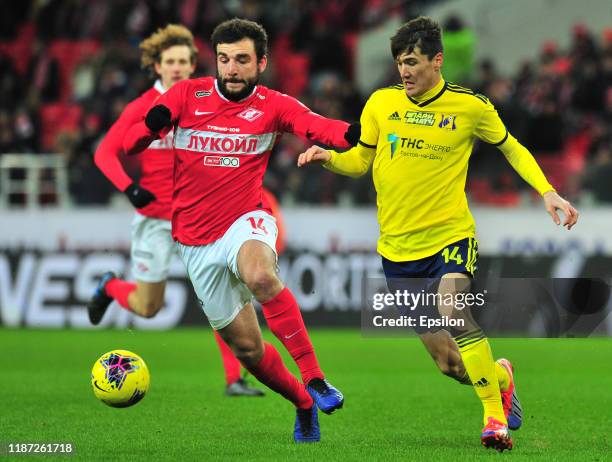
{"type": "Point", "coordinates": [170, 54]}
{"type": "Point", "coordinates": [224, 132]}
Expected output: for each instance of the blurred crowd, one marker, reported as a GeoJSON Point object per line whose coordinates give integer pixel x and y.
{"type": "Point", "coordinates": [68, 67]}
{"type": "Point", "coordinates": [560, 107]}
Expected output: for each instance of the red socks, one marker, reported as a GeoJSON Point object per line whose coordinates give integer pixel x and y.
{"type": "Point", "coordinates": [284, 319]}
{"type": "Point", "coordinates": [272, 372]}
{"type": "Point", "coordinates": [120, 290]}
{"type": "Point", "coordinates": [230, 364]}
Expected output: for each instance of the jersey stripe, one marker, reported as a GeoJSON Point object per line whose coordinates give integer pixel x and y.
{"type": "Point", "coordinates": [454, 85]}
{"type": "Point", "coordinates": [472, 255]}
{"type": "Point", "coordinates": [469, 92]}
{"type": "Point", "coordinates": [503, 139]}
{"type": "Point", "coordinates": [371, 146]}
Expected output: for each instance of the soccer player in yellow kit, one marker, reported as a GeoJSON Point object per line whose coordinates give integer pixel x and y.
{"type": "Point", "coordinates": [419, 136]}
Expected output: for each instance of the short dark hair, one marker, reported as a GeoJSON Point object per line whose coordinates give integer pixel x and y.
{"type": "Point", "coordinates": [234, 30]}
{"type": "Point", "coordinates": [422, 32]}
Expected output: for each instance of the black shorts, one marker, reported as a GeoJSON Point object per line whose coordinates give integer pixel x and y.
{"type": "Point", "coordinates": [422, 276]}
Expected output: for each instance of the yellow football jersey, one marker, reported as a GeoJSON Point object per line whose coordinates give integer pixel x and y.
{"type": "Point", "coordinates": [421, 162]}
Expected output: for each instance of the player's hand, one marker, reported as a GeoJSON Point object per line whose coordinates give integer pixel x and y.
{"type": "Point", "coordinates": [554, 202]}
{"type": "Point", "coordinates": [158, 118]}
{"type": "Point", "coordinates": [353, 133]}
{"type": "Point", "coordinates": [138, 196]}
{"type": "Point", "coordinates": [314, 154]}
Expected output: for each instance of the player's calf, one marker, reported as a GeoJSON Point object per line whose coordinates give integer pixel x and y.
{"type": "Point", "coordinates": [451, 369]}
{"type": "Point", "coordinates": [146, 307]}
{"type": "Point", "coordinates": [248, 351]}
{"type": "Point", "coordinates": [445, 353]}
{"type": "Point", "coordinates": [148, 298]}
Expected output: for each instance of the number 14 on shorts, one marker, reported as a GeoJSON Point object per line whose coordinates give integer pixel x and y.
{"type": "Point", "coordinates": [452, 254]}
{"type": "Point", "coordinates": [257, 225]}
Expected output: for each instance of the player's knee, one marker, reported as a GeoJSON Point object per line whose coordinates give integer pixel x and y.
{"type": "Point", "coordinates": [263, 283]}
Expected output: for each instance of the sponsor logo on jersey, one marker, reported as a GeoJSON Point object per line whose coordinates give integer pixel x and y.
{"type": "Point", "coordinates": [219, 161]}
{"type": "Point", "coordinates": [223, 143]}
{"type": "Point", "coordinates": [202, 93]}
{"type": "Point", "coordinates": [393, 139]}
{"type": "Point", "coordinates": [420, 118]}
{"type": "Point", "coordinates": [394, 116]}
{"type": "Point", "coordinates": [223, 129]}
{"type": "Point", "coordinates": [448, 122]}
{"type": "Point", "coordinates": [250, 114]}
{"type": "Point", "coordinates": [410, 147]}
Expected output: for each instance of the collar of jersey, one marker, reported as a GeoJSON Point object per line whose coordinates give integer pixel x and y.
{"type": "Point", "coordinates": [229, 100]}
{"type": "Point", "coordinates": [430, 95]}
{"type": "Point", "coordinates": [159, 87]}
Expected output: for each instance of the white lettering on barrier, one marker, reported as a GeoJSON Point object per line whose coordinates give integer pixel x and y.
{"type": "Point", "coordinates": [335, 280]}
{"type": "Point", "coordinates": [85, 281]}
{"type": "Point", "coordinates": [312, 264]}
{"type": "Point", "coordinates": [13, 294]}
{"type": "Point", "coordinates": [48, 287]}
{"type": "Point", "coordinates": [45, 288]}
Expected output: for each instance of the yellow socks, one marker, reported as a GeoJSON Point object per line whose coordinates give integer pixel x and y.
{"type": "Point", "coordinates": [503, 378]}
{"type": "Point", "coordinates": [479, 364]}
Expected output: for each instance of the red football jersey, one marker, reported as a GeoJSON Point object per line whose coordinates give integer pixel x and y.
{"type": "Point", "coordinates": [222, 149]}
{"type": "Point", "coordinates": [155, 162]}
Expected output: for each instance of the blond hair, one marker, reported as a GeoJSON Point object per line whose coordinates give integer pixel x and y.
{"type": "Point", "coordinates": [164, 38]}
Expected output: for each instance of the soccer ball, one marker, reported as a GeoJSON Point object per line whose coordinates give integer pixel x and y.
{"type": "Point", "coordinates": [120, 378]}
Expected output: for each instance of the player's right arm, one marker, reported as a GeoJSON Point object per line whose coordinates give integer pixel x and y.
{"type": "Point", "coordinates": [107, 160]}
{"type": "Point", "coordinates": [356, 161]}
{"type": "Point", "coordinates": [159, 118]}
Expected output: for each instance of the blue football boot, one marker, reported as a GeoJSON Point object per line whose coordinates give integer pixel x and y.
{"type": "Point", "coordinates": [306, 428]}
{"type": "Point", "coordinates": [99, 302]}
{"type": "Point", "coordinates": [327, 397]}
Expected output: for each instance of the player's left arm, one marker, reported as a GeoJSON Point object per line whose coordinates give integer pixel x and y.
{"type": "Point", "coordinates": [492, 130]}
{"type": "Point", "coordinates": [298, 119]}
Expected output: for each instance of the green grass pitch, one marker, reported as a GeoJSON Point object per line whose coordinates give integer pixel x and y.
{"type": "Point", "coordinates": [398, 407]}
